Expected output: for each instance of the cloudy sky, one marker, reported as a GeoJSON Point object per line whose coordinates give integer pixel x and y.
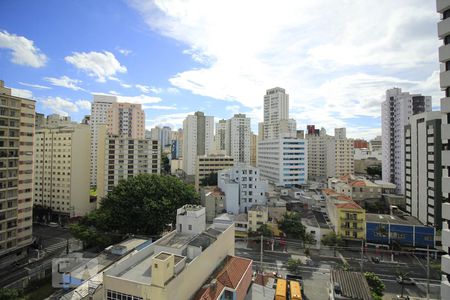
{"type": "Point", "coordinates": [335, 58]}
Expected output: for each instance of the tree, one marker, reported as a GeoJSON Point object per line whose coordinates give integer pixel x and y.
{"type": "Point", "coordinates": [264, 230]}
{"type": "Point", "coordinates": [375, 283]}
{"type": "Point", "coordinates": [309, 239]}
{"type": "Point", "coordinates": [403, 276]}
{"type": "Point", "coordinates": [141, 205]}
{"type": "Point", "coordinates": [165, 164]}
{"type": "Point", "coordinates": [332, 239]}
{"type": "Point", "coordinates": [10, 294]}
{"type": "Point", "coordinates": [209, 180]}
{"type": "Point", "coordinates": [292, 226]}
{"type": "Point", "coordinates": [374, 170]}
{"type": "Point", "coordinates": [294, 266]}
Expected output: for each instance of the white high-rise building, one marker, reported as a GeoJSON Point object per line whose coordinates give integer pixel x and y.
{"type": "Point", "coordinates": [220, 136]}
{"type": "Point", "coordinates": [166, 133]}
{"type": "Point", "coordinates": [276, 115]}
{"type": "Point", "coordinates": [198, 131]}
{"type": "Point", "coordinates": [443, 7]}
{"type": "Point", "coordinates": [396, 111]}
{"type": "Point", "coordinates": [237, 141]}
{"type": "Point", "coordinates": [423, 188]}
{"type": "Point", "coordinates": [99, 116]}
{"type": "Point", "coordinates": [242, 187]}
{"type": "Point", "coordinates": [284, 161]}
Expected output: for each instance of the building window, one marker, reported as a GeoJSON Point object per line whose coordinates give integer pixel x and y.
{"type": "Point", "coordinates": [190, 227]}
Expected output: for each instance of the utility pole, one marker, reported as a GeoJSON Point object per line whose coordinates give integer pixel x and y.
{"type": "Point", "coordinates": [261, 258]}
{"type": "Point", "coordinates": [428, 272]}
{"type": "Point", "coordinates": [362, 255]}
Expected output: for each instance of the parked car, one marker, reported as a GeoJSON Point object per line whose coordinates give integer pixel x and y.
{"type": "Point", "coordinates": [405, 280]}
{"type": "Point", "coordinates": [375, 259]}
{"type": "Point", "coordinates": [53, 224]}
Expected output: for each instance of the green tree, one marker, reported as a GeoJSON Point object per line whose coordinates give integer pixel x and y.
{"type": "Point", "coordinates": [376, 285]}
{"type": "Point", "coordinates": [332, 239]}
{"type": "Point", "coordinates": [403, 276]}
{"type": "Point", "coordinates": [374, 170]}
{"type": "Point", "coordinates": [294, 266]}
{"type": "Point", "coordinates": [264, 230]}
{"type": "Point", "coordinates": [10, 294]}
{"type": "Point", "coordinates": [292, 226]}
{"type": "Point", "coordinates": [165, 164]}
{"type": "Point", "coordinates": [209, 180]}
{"type": "Point", "coordinates": [141, 205]}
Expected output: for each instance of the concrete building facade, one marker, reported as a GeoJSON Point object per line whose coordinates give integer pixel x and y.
{"type": "Point", "coordinates": [213, 163]}
{"type": "Point", "coordinates": [198, 131]}
{"type": "Point", "coordinates": [126, 119]}
{"type": "Point", "coordinates": [396, 111]}
{"type": "Point", "coordinates": [62, 161]}
{"type": "Point", "coordinates": [220, 136]}
{"type": "Point", "coordinates": [284, 161]}
{"type": "Point", "coordinates": [122, 157]}
{"type": "Point", "coordinates": [423, 172]}
{"type": "Point", "coordinates": [253, 149]}
{"type": "Point", "coordinates": [99, 116]}
{"type": "Point", "coordinates": [243, 188]}
{"type": "Point", "coordinates": [17, 124]}
{"type": "Point", "coordinates": [237, 141]}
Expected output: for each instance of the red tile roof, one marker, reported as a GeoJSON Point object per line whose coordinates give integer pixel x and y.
{"type": "Point", "coordinates": [228, 276]}
{"type": "Point", "coordinates": [358, 183]}
{"type": "Point", "coordinates": [349, 205]}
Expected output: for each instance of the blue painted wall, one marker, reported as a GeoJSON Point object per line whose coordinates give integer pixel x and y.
{"type": "Point", "coordinates": [402, 234]}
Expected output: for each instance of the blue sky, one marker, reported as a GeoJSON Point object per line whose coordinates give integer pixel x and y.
{"type": "Point", "coordinates": [334, 58]}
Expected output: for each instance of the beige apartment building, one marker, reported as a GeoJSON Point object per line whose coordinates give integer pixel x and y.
{"type": "Point", "coordinates": [62, 162]}
{"type": "Point", "coordinates": [121, 157]}
{"type": "Point", "coordinates": [126, 119]}
{"type": "Point", "coordinates": [17, 121]}
{"type": "Point", "coordinates": [253, 149]}
{"type": "Point", "coordinates": [175, 266]}
{"type": "Point", "coordinates": [212, 163]}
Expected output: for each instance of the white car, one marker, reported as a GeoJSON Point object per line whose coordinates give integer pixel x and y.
{"type": "Point", "coordinates": [407, 280]}
{"type": "Point", "coordinates": [53, 224]}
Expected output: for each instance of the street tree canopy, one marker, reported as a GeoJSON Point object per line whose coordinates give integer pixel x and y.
{"type": "Point", "coordinates": [141, 205]}
{"type": "Point", "coordinates": [292, 226]}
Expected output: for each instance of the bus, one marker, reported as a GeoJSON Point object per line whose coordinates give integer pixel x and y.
{"type": "Point", "coordinates": [280, 292]}
{"type": "Point", "coordinates": [296, 293]}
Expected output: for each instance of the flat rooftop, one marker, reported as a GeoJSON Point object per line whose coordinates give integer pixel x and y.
{"type": "Point", "coordinates": [353, 284]}
{"type": "Point", "coordinates": [395, 219]}
{"type": "Point", "coordinates": [178, 240]}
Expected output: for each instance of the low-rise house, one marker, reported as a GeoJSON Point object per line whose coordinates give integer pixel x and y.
{"type": "Point", "coordinates": [213, 199]}
{"type": "Point", "coordinates": [347, 217]}
{"type": "Point", "coordinates": [257, 215]}
{"type": "Point", "coordinates": [240, 223]}
{"type": "Point", "coordinates": [231, 280]}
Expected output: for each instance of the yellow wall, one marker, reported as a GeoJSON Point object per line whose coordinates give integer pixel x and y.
{"type": "Point", "coordinates": [360, 221]}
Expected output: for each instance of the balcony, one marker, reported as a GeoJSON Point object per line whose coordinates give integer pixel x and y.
{"type": "Point", "coordinates": [445, 131]}
{"type": "Point", "coordinates": [445, 238]}
{"type": "Point", "coordinates": [349, 219]}
{"type": "Point", "coordinates": [445, 184]}
{"type": "Point", "coordinates": [445, 78]}
{"type": "Point", "coordinates": [445, 264]}
{"type": "Point", "coordinates": [442, 5]}
{"type": "Point", "coordinates": [445, 104]}
{"type": "Point", "coordinates": [445, 288]}
{"type": "Point", "coordinates": [446, 211]}
{"type": "Point", "coordinates": [443, 28]}
{"type": "Point", "coordinates": [347, 228]}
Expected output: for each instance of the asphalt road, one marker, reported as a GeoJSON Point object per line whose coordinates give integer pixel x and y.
{"type": "Point", "coordinates": [317, 277]}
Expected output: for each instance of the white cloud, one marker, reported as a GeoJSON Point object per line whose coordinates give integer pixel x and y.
{"type": "Point", "coordinates": [173, 120]}
{"type": "Point", "coordinates": [159, 107]}
{"type": "Point", "coordinates": [143, 88]}
{"type": "Point", "coordinates": [84, 104]}
{"type": "Point", "coordinates": [21, 93]}
{"type": "Point", "coordinates": [36, 86]}
{"type": "Point", "coordinates": [140, 99]}
{"type": "Point", "coordinates": [66, 82]}
{"type": "Point", "coordinates": [60, 106]}
{"type": "Point", "coordinates": [24, 52]}
{"type": "Point", "coordinates": [125, 52]}
{"type": "Point", "coordinates": [335, 63]}
{"type": "Point", "coordinates": [125, 85]}
{"type": "Point", "coordinates": [114, 93]}
{"type": "Point", "coordinates": [102, 65]}
{"type": "Point", "coordinates": [156, 90]}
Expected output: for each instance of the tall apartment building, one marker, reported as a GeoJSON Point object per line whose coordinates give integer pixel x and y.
{"type": "Point", "coordinates": [61, 164]}
{"type": "Point", "coordinates": [376, 144]}
{"type": "Point", "coordinates": [243, 188]}
{"type": "Point", "coordinates": [276, 122]}
{"type": "Point", "coordinates": [284, 161]}
{"type": "Point", "coordinates": [55, 120]}
{"type": "Point", "coordinates": [253, 149]}
{"type": "Point", "coordinates": [126, 119]}
{"type": "Point", "coordinates": [329, 156]}
{"type": "Point", "coordinates": [339, 157]}
{"type": "Point", "coordinates": [99, 116]}
{"type": "Point", "coordinates": [121, 157]}
{"type": "Point", "coordinates": [39, 120]}
{"type": "Point", "coordinates": [212, 163]}
{"type": "Point", "coordinates": [198, 131]}
{"type": "Point", "coordinates": [176, 138]}
{"type": "Point", "coordinates": [423, 172]}
{"type": "Point", "coordinates": [17, 121]}
{"type": "Point", "coordinates": [238, 138]}
{"type": "Point", "coordinates": [220, 136]}
{"type": "Point", "coordinates": [359, 143]}
{"type": "Point", "coordinates": [396, 111]}
{"type": "Point", "coordinates": [443, 7]}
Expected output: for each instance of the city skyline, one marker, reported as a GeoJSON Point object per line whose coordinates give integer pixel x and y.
{"type": "Point", "coordinates": [150, 54]}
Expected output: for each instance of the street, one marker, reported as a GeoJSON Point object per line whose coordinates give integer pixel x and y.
{"type": "Point", "coordinates": [317, 277]}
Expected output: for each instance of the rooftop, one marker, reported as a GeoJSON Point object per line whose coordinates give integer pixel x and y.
{"type": "Point", "coordinates": [392, 219]}
{"type": "Point", "coordinates": [260, 208]}
{"type": "Point", "coordinates": [352, 284]}
{"type": "Point", "coordinates": [349, 205]}
{"type": "Point", "coordinates": [227, 275]}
